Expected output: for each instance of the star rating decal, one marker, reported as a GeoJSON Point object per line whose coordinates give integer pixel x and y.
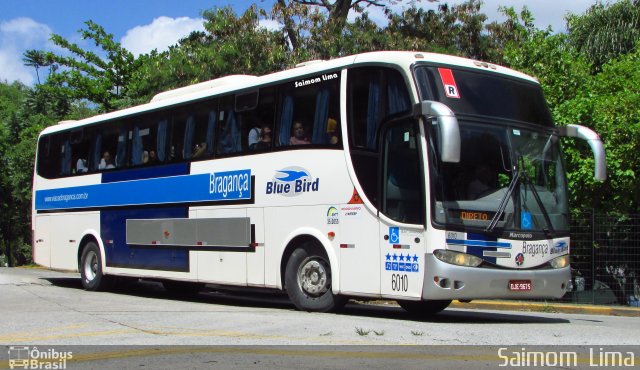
{"type": "Point", "coordinates": [402, 262]}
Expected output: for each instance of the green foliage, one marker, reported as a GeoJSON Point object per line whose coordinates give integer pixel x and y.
{"type": "Point", "coordinates": [86, 75]}
{"type": "Point", "coordinates": [457, 29]}
{"type": "Point", "coordinates": [610, 100]}
{"type": "Point", "coordinates": [605, 32]}
{"type": "Point", "coordinates": [606, 101]}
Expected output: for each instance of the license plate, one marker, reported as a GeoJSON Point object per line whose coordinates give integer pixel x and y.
{"type": "Point", "coordinates": [520, 285]}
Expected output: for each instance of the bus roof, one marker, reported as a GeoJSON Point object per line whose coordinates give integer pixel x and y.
{"type": "Point", "coordinates": [230, 83]}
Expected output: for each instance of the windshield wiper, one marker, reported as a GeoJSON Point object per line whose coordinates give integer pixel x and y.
{"type": "Point", "coordinates": [505, 200]}
{"type": "Point", "coordinates": [527, 181]}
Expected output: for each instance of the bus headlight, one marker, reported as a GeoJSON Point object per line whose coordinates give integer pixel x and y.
{"type": "Point", "coordinates": [560, 262]}
{"type": "Point", "coordinates": [457, 258]}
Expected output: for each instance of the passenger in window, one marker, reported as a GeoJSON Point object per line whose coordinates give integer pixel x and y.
{"type": "Point", "coordinates": [265, 138]}
{"type": "Point", "coordinates": [145, 157]}
{"type": "Point", "coordinates": [81, 166]}
{"type": "Point", "coordinates": [199, 150]}
{"type": "Point", "coordinates": [153, 158]}
{"type": "Point", "coordinates": [254, 137]}
{"type": "Point", "coordinates": [332, 132]}
{"type": "Point", "coordinates": [106, 162]}
{"type": "Point", "coordinates": [299, 136]}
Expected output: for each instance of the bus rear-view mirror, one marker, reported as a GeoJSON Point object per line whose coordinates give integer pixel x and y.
{"type": "Point", "coordinates": [585, 133]}
{"type": "Point", "coordinates": [447, 126]}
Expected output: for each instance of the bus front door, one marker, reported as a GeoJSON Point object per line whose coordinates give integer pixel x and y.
{"type": "Point", "coordinates": [402, 209]}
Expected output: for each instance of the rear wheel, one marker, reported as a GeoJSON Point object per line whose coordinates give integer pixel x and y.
{"type": "Point", "coordinates": [424, 308]}
{"type": "Point", "coordinates": [93, 278]}
{"type": "Point", "coordinates": [308, 280]}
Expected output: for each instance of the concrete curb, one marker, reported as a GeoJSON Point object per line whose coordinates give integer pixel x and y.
{"type": "Point", "coordinates": [548, 307]}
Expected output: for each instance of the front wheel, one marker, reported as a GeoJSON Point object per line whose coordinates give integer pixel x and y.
{"type": "Point", "coordinates": [91, 269]}
{"type": "Point", "coordinates": [307, 279]}
{"type": "Point", "coordinates": [424, 308]}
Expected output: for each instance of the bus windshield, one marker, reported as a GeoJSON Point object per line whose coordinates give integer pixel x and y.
{"type": "Point", "coordinates": [508, 178]}
{"type": "Point", "coordinates": [511, 175]}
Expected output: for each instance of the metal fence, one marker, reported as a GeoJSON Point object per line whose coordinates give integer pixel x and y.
{"type": "Point", "coordinates": [605, 259]}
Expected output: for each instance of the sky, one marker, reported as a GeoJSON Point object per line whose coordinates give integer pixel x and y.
{"type": "Point", "coordinates": [144, 25]}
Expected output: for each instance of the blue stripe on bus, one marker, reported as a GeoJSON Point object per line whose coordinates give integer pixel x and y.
{"type": "Point", "coordinates": [219, 186]}
{"type": "Point", "coordinates": [175, 169]}
{"type": "Point", "coordinates": [478, 243]}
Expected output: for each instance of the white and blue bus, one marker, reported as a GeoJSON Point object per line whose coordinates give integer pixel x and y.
{"type": "Point", "coordinates": [408, 176]}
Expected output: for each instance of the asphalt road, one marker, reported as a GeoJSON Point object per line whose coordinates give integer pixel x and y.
{"type": "Point", "coordinates": [142, 325]}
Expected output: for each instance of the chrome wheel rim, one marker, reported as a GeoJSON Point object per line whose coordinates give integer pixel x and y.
{"type": "Point", "coordinates": [91, 265]}
{"type": "Point", "coordinates": [313, 277]}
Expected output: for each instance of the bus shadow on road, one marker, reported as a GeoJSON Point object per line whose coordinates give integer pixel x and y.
{"type": "Point", "coordinates": [449, 316]}
{"type": "Point", "coordinates": [279, 300]}
{"type": "Point", "coordinates": [64, 282]}
{"type": "Point", "coordinates": [212, 295]}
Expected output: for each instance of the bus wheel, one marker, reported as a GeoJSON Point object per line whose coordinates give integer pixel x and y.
{"type": "Point", "coordinates": [424, 308]}
{"type": "Point", "coordinates": [91, 269]}
{"type": "Point", "coordinates": [307, 279]}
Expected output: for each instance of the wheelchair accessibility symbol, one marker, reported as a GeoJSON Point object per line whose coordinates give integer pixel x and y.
{"type": "Point", "coordinates": [525, 220]}
{"type": "Point", "coordinates": [394, 235]}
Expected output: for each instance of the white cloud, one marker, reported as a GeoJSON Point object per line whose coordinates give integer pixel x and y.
{"type": "Point", "coordinates": [160, 34]}
{"type": "Point", "coordinates": [16, 36]}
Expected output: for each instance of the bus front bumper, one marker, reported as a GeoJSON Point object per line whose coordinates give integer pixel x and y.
{"type": "Point", "coordinates": [443, 281]}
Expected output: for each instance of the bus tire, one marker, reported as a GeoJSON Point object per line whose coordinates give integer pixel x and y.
{"type": "Point", "coordinates": [307, 280]}
{"type": "Point", "coordinates": [92, 276]}
{"type": "Point", "coordinates": [424, 308]}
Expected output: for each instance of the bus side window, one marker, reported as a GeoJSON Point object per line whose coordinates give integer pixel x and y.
{"type": "Point", "coordinates": [175, 150]}
{"type": "Point", "coordinates": [65, 157]}
{"type": "Point", "coordinates": [230, 134]}
{"type": "Point", "coordinates": [45, 165]}
{"type": "Point", "coordinates": [255, 115]}
{"type": "Point", "coordinates": [146, 139]}
{"type": "Point", "coordinates": [309, 111]}
{"type": "Point", "coordinates": [375, 93]}
{"type": "Point", "coordinates": [199, 137]}
{"type": "Point", "coordinates": [110, 147]}
{"type": "Point", "coordinates": [80, 148]}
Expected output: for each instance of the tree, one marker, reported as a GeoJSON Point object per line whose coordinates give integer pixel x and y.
{"type": "Point", "coordinates": [36, 59]}
{"type": "Point", "coordinates": [604, 32]}
{"type": "Point", "coordinates": [86, 75]}
{"type": "Point", "coordinates": [16, 174]}
{"type": "Point", "coordinates": [457, 29]}
{"type": "Point", "coordinates": [609, 102]}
